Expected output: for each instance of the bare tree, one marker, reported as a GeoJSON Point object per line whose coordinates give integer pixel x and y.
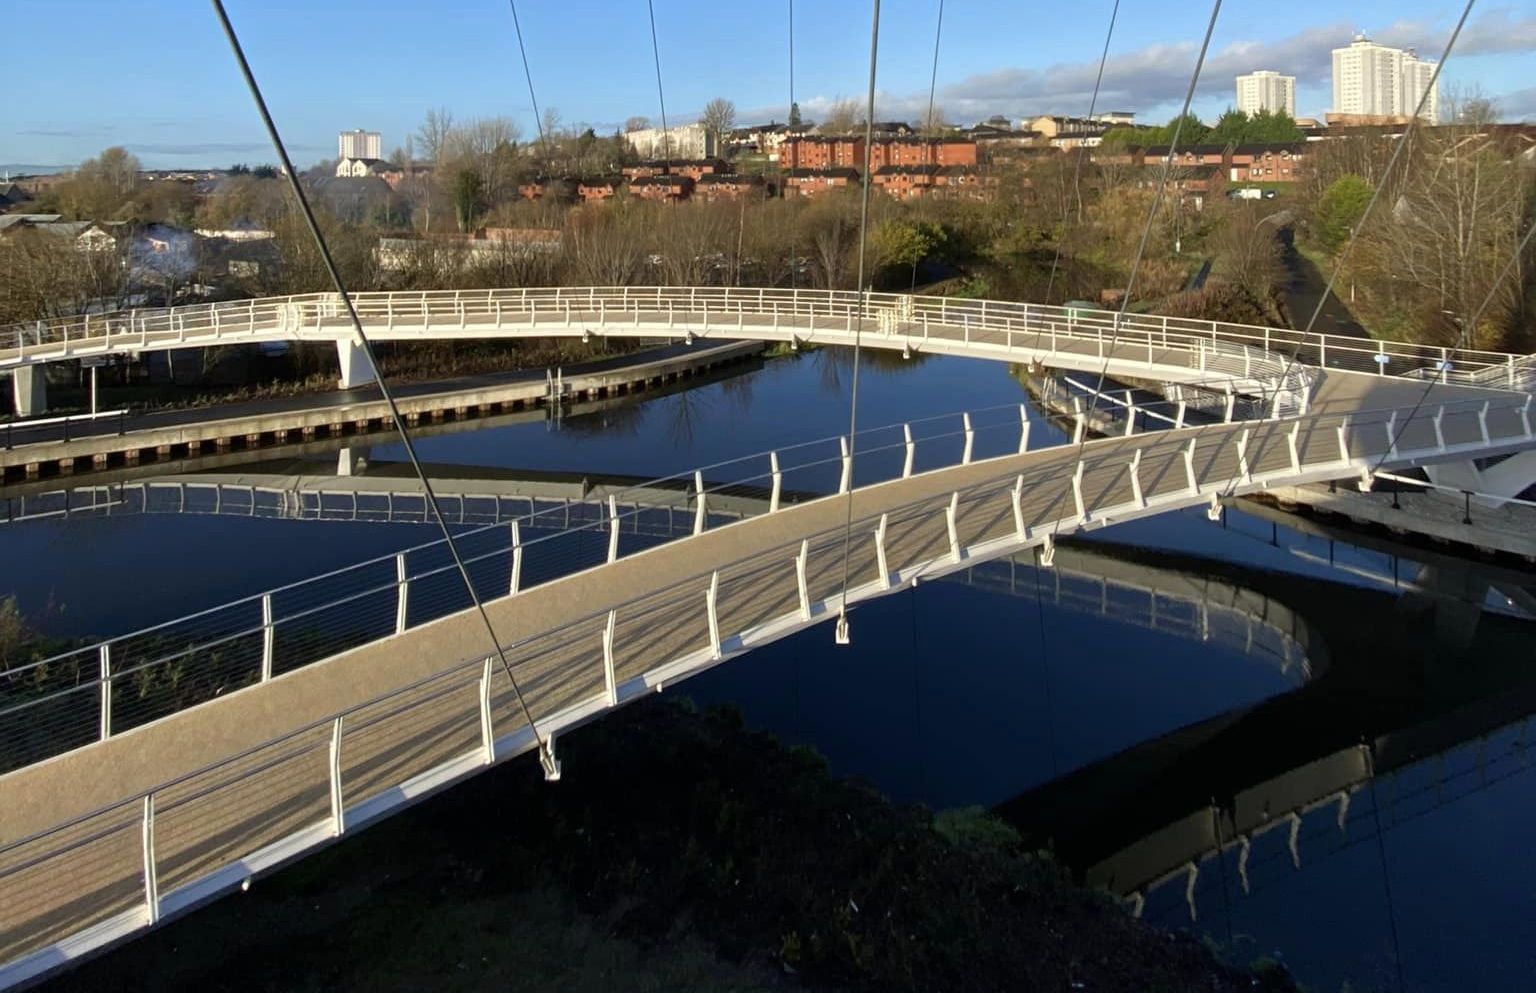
{"type": "Point", "coordinates": [636, 123]}
{"type": "Point", "coordinates": [719, 118]}
{"type": "Point", "coordinates": [433, 133]}
{"type": "Point", "coordinates": [842, 117]}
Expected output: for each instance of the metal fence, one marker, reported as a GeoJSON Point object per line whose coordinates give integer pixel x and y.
{"type": "Point", "coordinates": [916, 321]}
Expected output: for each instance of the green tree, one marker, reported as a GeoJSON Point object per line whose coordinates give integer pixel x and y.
{"type": "Point", "coordinates": [1339, 210]}
{"type": "Point", "coordinates": [1232, 128]}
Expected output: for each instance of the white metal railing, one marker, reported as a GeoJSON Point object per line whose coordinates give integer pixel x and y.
{"type": "Point", "coordinates": [132, 886]}
{"type": "Point", "coordinates": [977, 323]}
{"type": "Point", "coordinates": [67, 700]}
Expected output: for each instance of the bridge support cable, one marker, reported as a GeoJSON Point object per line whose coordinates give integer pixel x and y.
{"type": "Point", "coordinates": [1394, 436]}
{"type": "Point", "coordinates": [841, 634]}
{"type": "Point", "coordinates": [538, 121]}
{"type": "Point", "coordinates": [661, 96]}
{"type": "Point", "coordinates": [546, 753]}
{"type": "Point", "coordinates": [1146, 232]}
{"type": "Point", "coordinates": [1082, 153]}
{"type": "Point", "coordinates": [933, 85]}
{"type": "Point", "coordinates": [1354, 232]}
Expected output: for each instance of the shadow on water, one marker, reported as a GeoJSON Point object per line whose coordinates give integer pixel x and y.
{"type": "Point", "coordinates": [1418, 721]}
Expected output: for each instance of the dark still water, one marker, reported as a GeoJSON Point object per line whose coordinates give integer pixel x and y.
{"type": "Point", "coordinates": [1188, 713]}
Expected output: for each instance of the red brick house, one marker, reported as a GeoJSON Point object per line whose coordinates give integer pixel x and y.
{"type": "Point", "coordinates": [597, 190]}
{"type": "Point", "coordinates": [667, 189]}
{"type": "Point", "coordinates": [810, 182]}
{"type": "Point", "coordinates": [906, 182]}
{"type": "Point", "coordinates": [715, 187]}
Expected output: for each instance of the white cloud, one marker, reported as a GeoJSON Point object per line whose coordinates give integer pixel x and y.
{"type": "Point", "coordinates": [1155, 77]}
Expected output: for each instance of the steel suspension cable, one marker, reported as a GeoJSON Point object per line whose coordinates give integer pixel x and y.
{"type": "Point", "coordinates": [538, 121]}
{"type": "Point", "coordinates": [661, 96]}
{"type": "Point", "coordinates": [1520, 249]}
{"type": "Point", "coordinates": [1370, 205]}
{"type": "Point", "coordinates": [858, 332]}
{"type": "Point", "coordinates": [1354, 233]}
{"type": "Point", "coordinates": [546, 755]}
{"type": "Point", "coordinates": [1082, 153]}
{"type": "Point", "coordinates": [933, 85]}
{"type": "Point", "coordinates": [1397, 152]}
{"type": "Point", "coordinates": [794, 254]}
{"type": "Point", "coordinates": [1146, 233]}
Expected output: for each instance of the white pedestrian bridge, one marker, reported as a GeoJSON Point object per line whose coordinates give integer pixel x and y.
{"type": "Point", "coordinates": [152, 772]}
{"type": "Point", "coordinates": [1148, 347]}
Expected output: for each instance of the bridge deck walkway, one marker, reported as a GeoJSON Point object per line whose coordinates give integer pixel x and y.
{"type": "Point", "coordinates": [64, 880]}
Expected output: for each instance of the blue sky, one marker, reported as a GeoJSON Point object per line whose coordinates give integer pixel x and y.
{"type": "Point", "coordinates": [157, 77]}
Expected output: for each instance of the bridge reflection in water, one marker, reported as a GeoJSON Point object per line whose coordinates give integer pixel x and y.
{"type": "Point", "coordinates": [1397, 724]}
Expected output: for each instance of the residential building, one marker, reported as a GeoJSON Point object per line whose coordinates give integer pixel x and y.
{"type": "Point", "coordinates": [810, 182]}
{"type": "Point", "coordinates": [906, 182]}
{"type": "Point", "coordinates": [692, 168]}
{"type": "Point", "coordinates": [1073, 132]}
{"type": "Point", "coordinates": [714, 187]}
{"type": "Point", "coordinates": [686, 141]}
{"type": "Point", "coordinates": [823, 152]}
{"type": "Point", "coordinates": [359, 144]}
{"type": "Point", "coordinates": [1265, 89]}
{"type": "Point", "coordinates": [667, 189]}
{"type": "Point", "coordinates": [1374, 80]}
{"type": "Point", "coordinates": [598, 190]}
{"type": "Point", "coordinates": [362, 168]}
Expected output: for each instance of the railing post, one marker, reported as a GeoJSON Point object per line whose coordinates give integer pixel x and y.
{"type": "Point", "coordinates": [610, 677]}
{"type": "Point", "coordinates": [487, 733]}
{"type": "Point", "coordinates": [403, 593]}
{"type": "Point", "coordinates": [951, 520]}
{"type": "Point", "coordinates": [147, 847]}
{"type": "Point", "coordinates": [847, 476]}
{"type": "Point", "coordinates": [613, 528]}
{"type": "Point", "coordinates": [338, 813]}
{"type": "Point", "coordinates": [906, 465]}
{"type": "Point", "coordinates": [1482, 421]}
{"type": "Point", "coordinates": [1343, 430]}
{"type": "Point", "coordinates": [1077, 492]}
{"type": "Point", "coordinates": [699, 511]}
{"type": "Point", "coordinates": [1081, 428]}
{"type": "Point", "coordinates": [804, 587]}
{"type": "Point", "coordinates": [1231, 404]}
{"type": "Point", "coordinates": [1178, 421]}
{"type": "Point", "coordinates": [268, 635]}
{"type": "Point", "coordinates": [104, 683]}
{"type": "Point", "coordinates": [1048, 552]}
{"type": "Point", "coordinates": [1440, 428]}
{"type": "Point", "coordinates": [1391, 427]}
{"type": "Point", "coordinates": [778, 482]}
{"type": "Point", "coordinates": [1242, 456]}
{"type": "Point", "coordinates": [885, 569]}
{"type": "Point", "coordinates": [1189, 468]}
{"type": "Point", "coordinates": [1023, 428]}
{"type": "Point", "coordinates": [1525, 416]}
{"type": "Point", "coordinates": [1291, 439]}
{"type": "Point", "coordinates": [711, 604]}
{"type": "Point", "coordinates": [1017, 495]}
{"type": "Point", "coordinates": [517, 560]}
{"type": "Point", "coordinates": [970, 438]}
{"type": "Point", "coordinates": [1136, 494]}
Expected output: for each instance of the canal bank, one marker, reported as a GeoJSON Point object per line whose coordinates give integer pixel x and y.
{"type": "Point", "coordinates": [189, 433]}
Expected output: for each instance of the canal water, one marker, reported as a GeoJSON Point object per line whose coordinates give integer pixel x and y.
{"type": "Point", "coordinates": [1186, 712]}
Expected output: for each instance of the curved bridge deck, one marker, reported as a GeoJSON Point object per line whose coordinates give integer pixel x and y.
{"type": "Point", "coordinates": [107, 839]}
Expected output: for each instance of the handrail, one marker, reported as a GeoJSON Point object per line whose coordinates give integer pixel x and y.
{"type": "Point", "coordinates": [229, 624]}
{"type": "Point", "coordinates": [990, 486]}
{"type": "Point", "coordinates": [306, 316]}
